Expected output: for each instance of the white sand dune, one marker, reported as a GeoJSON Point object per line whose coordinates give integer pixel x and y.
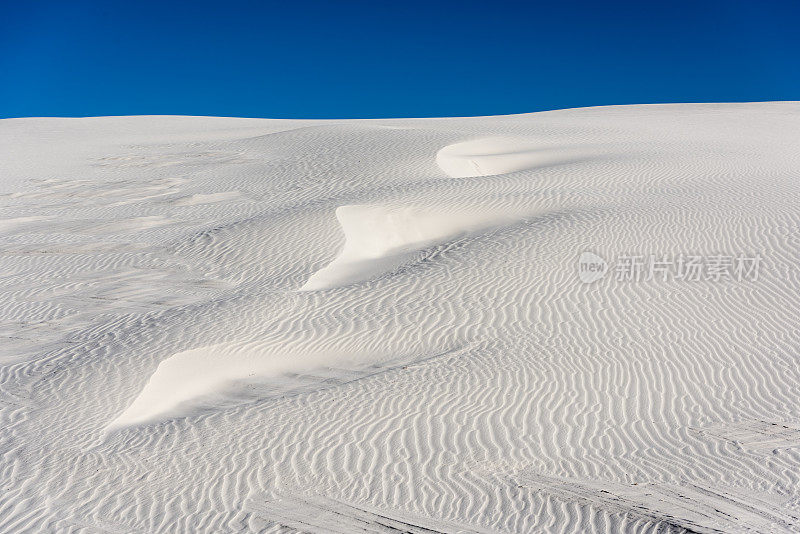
{"type": "Point", "coordinates": [246, 325]}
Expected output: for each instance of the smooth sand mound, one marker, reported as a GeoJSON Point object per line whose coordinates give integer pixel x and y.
{"type": "Point", "coordinates": [379, 238]}
{"type": "Point", "coordinates": [500, 155]}
{"type": "Point", "coordinates": [207, 377]}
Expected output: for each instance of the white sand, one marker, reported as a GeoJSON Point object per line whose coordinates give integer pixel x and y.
{"type": "Point", "coordinates": [245, 325]}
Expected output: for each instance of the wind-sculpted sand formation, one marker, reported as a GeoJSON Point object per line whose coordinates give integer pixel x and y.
{"type": "Point", "coordinates": [575, 321]}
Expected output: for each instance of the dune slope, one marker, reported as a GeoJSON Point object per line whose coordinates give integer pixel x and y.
{"type": "Point", "coordinates": [574, 321]}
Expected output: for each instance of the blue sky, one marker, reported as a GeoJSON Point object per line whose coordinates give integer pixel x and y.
{"type": "Point", "coordinates": [311, 59]}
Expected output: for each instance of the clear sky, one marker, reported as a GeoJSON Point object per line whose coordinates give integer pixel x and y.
{"type": "Point", "coordinates": [310, 59]}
